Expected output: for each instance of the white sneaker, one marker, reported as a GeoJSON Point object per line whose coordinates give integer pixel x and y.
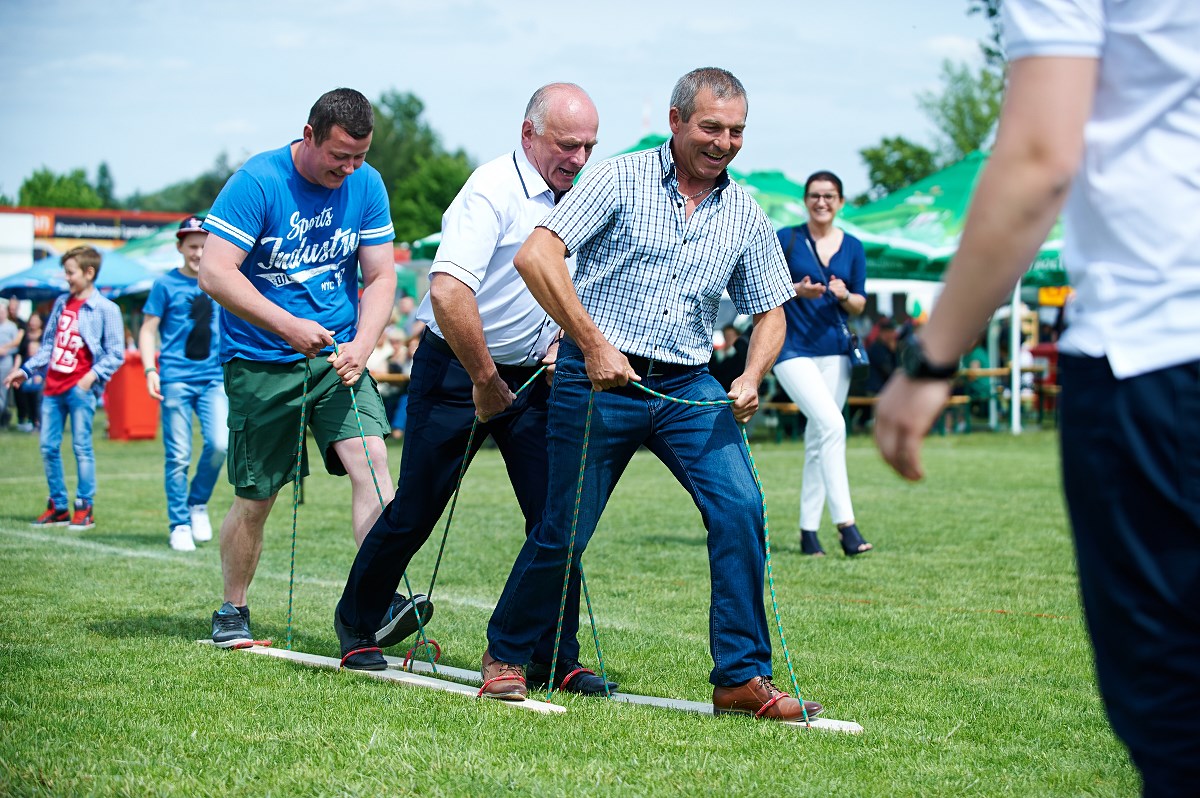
{"type": "Point", "coordinates": [201, 528]}
{"type": "Point", "coordinates": [181, 538]}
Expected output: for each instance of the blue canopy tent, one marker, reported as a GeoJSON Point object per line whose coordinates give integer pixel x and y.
{"type": "Point", "coordinates": [41, 281]}
{"type": "Point", "coordinates": [119, 276]}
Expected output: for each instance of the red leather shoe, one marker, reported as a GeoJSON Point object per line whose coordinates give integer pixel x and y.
{"type": "Point", "coordinates": [762, 699]}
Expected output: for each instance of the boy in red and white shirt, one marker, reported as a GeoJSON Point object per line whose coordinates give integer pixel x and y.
{"type": "Point", "coordinates": [83, 345]}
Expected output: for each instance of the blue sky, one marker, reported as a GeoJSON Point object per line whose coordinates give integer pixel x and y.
{"type": "Point", "coordinates": [157, 88]}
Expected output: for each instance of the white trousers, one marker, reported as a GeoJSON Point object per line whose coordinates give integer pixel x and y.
{"type": "Point", "coordinates": [818, 386]}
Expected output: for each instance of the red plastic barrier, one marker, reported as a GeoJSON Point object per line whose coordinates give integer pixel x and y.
{"type": "Point", "coordinates": [132, 412]}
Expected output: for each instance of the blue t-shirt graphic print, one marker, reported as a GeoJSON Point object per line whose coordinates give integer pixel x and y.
{"type": "Point", "coordinates": [302, 242]}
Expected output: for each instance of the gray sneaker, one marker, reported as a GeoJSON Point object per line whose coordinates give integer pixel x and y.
{"type": "Point", "coordinates": [401, 618]}
{"type": "Point", "coordinates": [231, 626]}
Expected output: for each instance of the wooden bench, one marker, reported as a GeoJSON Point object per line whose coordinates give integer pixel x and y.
{"type": "Point", "coordinates": [394, 379]}
{"type": "Point", "coordinates": [956, 408]}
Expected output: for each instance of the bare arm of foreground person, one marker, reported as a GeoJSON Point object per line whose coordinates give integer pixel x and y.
{"type": "Point", "coordinates": [769, 330]}
{"type": "Point", "coordinates": [221, 279]}
{"type": "Point", "coordinates": [542, 264]}
{"type": "Point", "coordinates": [374, 311]}
{"type": "Point", "coordinates": [458, 318]}
{"type": "Point", "coordinates": [1038, 149]}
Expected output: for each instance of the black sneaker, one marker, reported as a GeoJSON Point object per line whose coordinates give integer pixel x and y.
{"type": "Point", "coordinates": [401, 620]}
{"type": "Point", "coordinates": [360, 652]}
{"type": "Point", "coordinates": [570, 677]}
{"type": "Point", "coordinates": [231, 626]}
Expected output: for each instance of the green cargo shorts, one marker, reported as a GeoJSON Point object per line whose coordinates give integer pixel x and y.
{"type": "Point", "coordinates": [264, 420]}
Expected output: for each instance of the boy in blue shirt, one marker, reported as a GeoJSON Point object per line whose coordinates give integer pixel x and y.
{"type": "Point", "coordinates": [187, 379]}
{"type": "Point", "coordinates": [83, 345]}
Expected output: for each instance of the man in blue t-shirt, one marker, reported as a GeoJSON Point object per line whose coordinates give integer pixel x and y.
{"type": "Point", "coordinates": [289, 233]}
{"type": "Point", "coordinates": [187, 379]}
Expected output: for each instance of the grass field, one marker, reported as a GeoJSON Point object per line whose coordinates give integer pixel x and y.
{"type": "Point", "coordinates": [958, 644]}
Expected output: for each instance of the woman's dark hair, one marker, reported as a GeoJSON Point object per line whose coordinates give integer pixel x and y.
{"type": "Point", "coordinates": [824, 175]}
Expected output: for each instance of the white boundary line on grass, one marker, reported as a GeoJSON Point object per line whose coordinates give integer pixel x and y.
{"type": "Point", "coordinates": [698, 707]}
{"type": "Point", "coordinates": [391, 675]}
{"type": "Point", "coordinates": [191, 561]}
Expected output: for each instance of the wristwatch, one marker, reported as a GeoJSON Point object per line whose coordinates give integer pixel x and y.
{"type": "Point", "coordinates": [918, 367]}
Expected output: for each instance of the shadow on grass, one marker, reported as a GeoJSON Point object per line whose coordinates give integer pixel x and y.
{"type": "Point", "coordinates": [678, 540]}
{"type": "Point", "coordinates": [134, 626]}
{"type": "Point", "coordinates": [189, 628]}
{"type": "Point", "coordinates": [139, 540]}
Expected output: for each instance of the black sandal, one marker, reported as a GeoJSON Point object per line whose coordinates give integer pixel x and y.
{"type": "Point", "coordinates": [810, 544]}
{"type": "Point", "coordinates": [852, 541]}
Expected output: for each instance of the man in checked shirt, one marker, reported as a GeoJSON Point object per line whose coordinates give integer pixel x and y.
{"type": "Point", "coordinates": [658, 236]}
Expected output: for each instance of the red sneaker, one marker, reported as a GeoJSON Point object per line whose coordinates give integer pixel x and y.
{"type": "Point", "coordinates": [82, 517]}
{"type": "Point", "coordinates": [52, 517]}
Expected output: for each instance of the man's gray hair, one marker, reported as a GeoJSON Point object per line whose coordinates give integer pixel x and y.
{"type": "Point", "coordinates": [720, 82]}
{"type": "Point", "coordinates": [539, 104]}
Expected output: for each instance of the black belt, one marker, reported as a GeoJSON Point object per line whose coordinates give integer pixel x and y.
{"type": "Point", "coordinates": [508, 373]}
{"type": "Point", "coordinates": [647, 367]}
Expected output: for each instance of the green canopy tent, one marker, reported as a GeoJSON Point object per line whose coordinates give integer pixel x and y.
{"type": "Point", "coordinates": [156, 251]}
{"type": "Point", "coordinates": [912, 233]}
{"type": "Point", "coordinates": [780, 198]}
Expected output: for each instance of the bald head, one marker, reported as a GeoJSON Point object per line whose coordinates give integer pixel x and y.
{"type": "Point", "coordinates": [559, 132]}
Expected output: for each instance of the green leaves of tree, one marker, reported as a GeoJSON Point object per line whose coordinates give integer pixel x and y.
{"type": "Point", "coordinates": [421, 176]}
{"type": "Point", "coordinates": [963, 113]}
{"type": "Point", "coordinates": [45, 189]}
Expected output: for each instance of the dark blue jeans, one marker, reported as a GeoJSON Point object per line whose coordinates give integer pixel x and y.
{"type": "Point", "coordinates": [703, 448]}
{"type": "Point", "coordinates": [440, 413]}
{"type": "Point", "coordinates": [1131, 472]}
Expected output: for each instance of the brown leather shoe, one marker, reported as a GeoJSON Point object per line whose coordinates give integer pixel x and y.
{"type": "Point", "coordinates": [502, 680]}
{"type": "Point", "coordinates": [762, 699]}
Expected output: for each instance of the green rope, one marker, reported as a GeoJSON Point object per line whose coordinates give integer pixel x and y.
{"type": "Point", "coordinates": [462, 472]}
{"type": "Point", "coordinates": [362, 436]}
{"type": "Point", "coordinates": [787, 656]}
{"type": "Point", "coordinates": [595, 634]}
{"type": "Point", "coordinates": [296, 497]}
{"type": "Point", "coordinates": [562, 604]}
{"type": "Point", "coordinates": [378, 495]}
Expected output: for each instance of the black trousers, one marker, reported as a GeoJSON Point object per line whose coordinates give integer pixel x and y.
{"type": "Point", "coordinates": [440, 414]}
{"type": "Point", "coordinates": [1131, 472]}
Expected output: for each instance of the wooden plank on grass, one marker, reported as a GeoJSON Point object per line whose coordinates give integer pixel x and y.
{"type": "Point", "coordinates": [393, 675]}
{"type": "Point", "coordinates": [700, 707]}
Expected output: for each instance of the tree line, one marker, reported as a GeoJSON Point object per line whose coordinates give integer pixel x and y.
{"type": "Point", "coordinates": [421, 174]}
{"type": "Point", "coordinates": [424, 176]}
{"type": "Point", "coordinates": [963, 114]}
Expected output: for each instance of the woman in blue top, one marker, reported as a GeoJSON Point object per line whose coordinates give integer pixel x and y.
{"type": "Point", "coordinates": [829, 271]}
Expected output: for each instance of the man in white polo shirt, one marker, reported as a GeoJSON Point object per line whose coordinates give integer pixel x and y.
{"type": "Point", "coordinates": [1103, 101]}
{"type": "Point", "coordinates": [486, 337]}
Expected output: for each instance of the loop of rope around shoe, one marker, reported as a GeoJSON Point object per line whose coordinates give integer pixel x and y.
{"type": "Point", "coordinates": [362, 436]}
{"type": "Point", "coordinates": [562, 603]}
{"type": "Point", "coordinates": [574, 523]}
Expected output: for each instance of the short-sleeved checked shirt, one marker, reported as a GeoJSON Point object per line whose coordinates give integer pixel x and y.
{"type": "Point", "coordinates": [651, 278]}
